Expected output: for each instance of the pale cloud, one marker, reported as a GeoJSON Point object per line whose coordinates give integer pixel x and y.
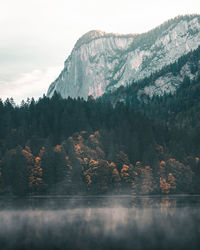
{"type": "Point", "coordinates": [32, 84]}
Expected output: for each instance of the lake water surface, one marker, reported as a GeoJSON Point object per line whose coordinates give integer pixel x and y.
{"type": "Point", "coordinates": [120, 222]}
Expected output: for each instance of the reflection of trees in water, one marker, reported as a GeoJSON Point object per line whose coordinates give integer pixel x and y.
{"type": "Point", "coordinates": [142, 222]}
{"type": "Point", "coordinates": [147, 202]}
{"type": "Point", "coordinates": [168, 205]}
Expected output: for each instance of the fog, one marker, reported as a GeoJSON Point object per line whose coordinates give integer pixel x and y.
{"type": "Point", "coordinates": [100, 223]}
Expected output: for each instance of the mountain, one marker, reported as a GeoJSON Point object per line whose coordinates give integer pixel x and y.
{"type": "Point", "coordinates": [180, 75]}
{"type": "Point", "coordinates": [101, 62]}
{"type": "Point", "coordinates": [170, 96]}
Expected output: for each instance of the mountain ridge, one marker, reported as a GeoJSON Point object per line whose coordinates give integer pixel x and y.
{"type": "Point", "coordinates": [164, 82]}
{"type": "Point", "coordinates": [96, 34]}
{"type": "Point", "coordinates": [103, 61]}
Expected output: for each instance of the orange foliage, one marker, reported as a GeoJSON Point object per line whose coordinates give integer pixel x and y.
{"type": "Point", "coordinates": [94, 139]}
{"type": "Point", "coordinates": [86, 160]}
{"type": "Point", "coordinates": [42, 152]}
{"type": "Point", "coordinates": [39, 179]}
{"type": "Point", "coordinates": [135, 173]}
{"type": "Point", "coordinates": [97, 134]}
{"type": "Point", "coordinates": [68, 163]}
{"type": "Point", "coordinates": [37, 160]}
{"type": "Point", "coordinates": [77, 148]}
{"type": "Point", "coordinates": [115, 172]}
{"type": "Point", "coordinates": [88, 178]}
{"type": "Point", "coordinates": [83, 132]}
{"type": "Point", "coordinates": [163, 163]}
{"type": "Point", "coordinates": [124, 173]}
{"type": "Point", "coordinates": [57, 148]}
{"type": "Point", "coordinates": [165, 187]}
{"type": "Point", "coordinates": [112, 164]}
{"type": "Point", "coordinates": [172, 181]}
{"type": "Point", "coordinates": [124, 168]}
{"type": "Point", "coordinates": [35, 178]}
{"type": "Point", "coordinates": [138, 163]}
{"type": "Point", "coordinates": [28, 155]}
{"type": "Point", "coordinates": [94, 168]}
{"type": "Point", "coordinates": [80, 160]}
{"type": "Point", "coordinates": [197, 160]}
{"type": "Point", "coordinates": [80, 138]}
{"type": "Point", "coordinates": [93, 163]}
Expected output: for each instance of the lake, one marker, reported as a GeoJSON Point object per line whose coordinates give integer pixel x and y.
{"type": "Point", "coordinates": [103, 222]}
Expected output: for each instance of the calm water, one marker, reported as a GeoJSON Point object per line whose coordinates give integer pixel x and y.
{"type": "Point", "coordinates": [100, 223]}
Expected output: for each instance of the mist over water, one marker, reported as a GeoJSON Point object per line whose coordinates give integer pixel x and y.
{"type": "Point", "coordinates": [100, 223]}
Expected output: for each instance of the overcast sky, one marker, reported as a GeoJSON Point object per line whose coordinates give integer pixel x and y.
{"type": "Point", "coordinates": [38, 35]}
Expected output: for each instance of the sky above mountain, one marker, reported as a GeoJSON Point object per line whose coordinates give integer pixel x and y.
{"type": "Point", "coordinates": [38, 35]}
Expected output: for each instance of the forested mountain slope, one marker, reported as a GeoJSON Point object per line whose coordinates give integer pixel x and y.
{"type": "Point", "coordinates": [177, 102]}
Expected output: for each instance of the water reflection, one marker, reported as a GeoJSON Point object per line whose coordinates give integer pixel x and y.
{"type": "Point", "coordinates": [100, 223]}
{"type": "Point", "coordinates": [168, 206]}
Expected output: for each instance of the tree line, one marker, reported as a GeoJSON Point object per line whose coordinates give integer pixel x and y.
{"type": "Point", "coordinates": [70, 146]}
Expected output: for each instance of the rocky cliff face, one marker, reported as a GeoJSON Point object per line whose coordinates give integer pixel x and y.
{"type": "Point", "coordinates": [100, 61]}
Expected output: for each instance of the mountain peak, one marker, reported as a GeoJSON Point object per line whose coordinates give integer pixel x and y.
{"type": "Point", "coordinates": [87, 37]}
{"type": "Point", "coordinates": [95, 34]}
